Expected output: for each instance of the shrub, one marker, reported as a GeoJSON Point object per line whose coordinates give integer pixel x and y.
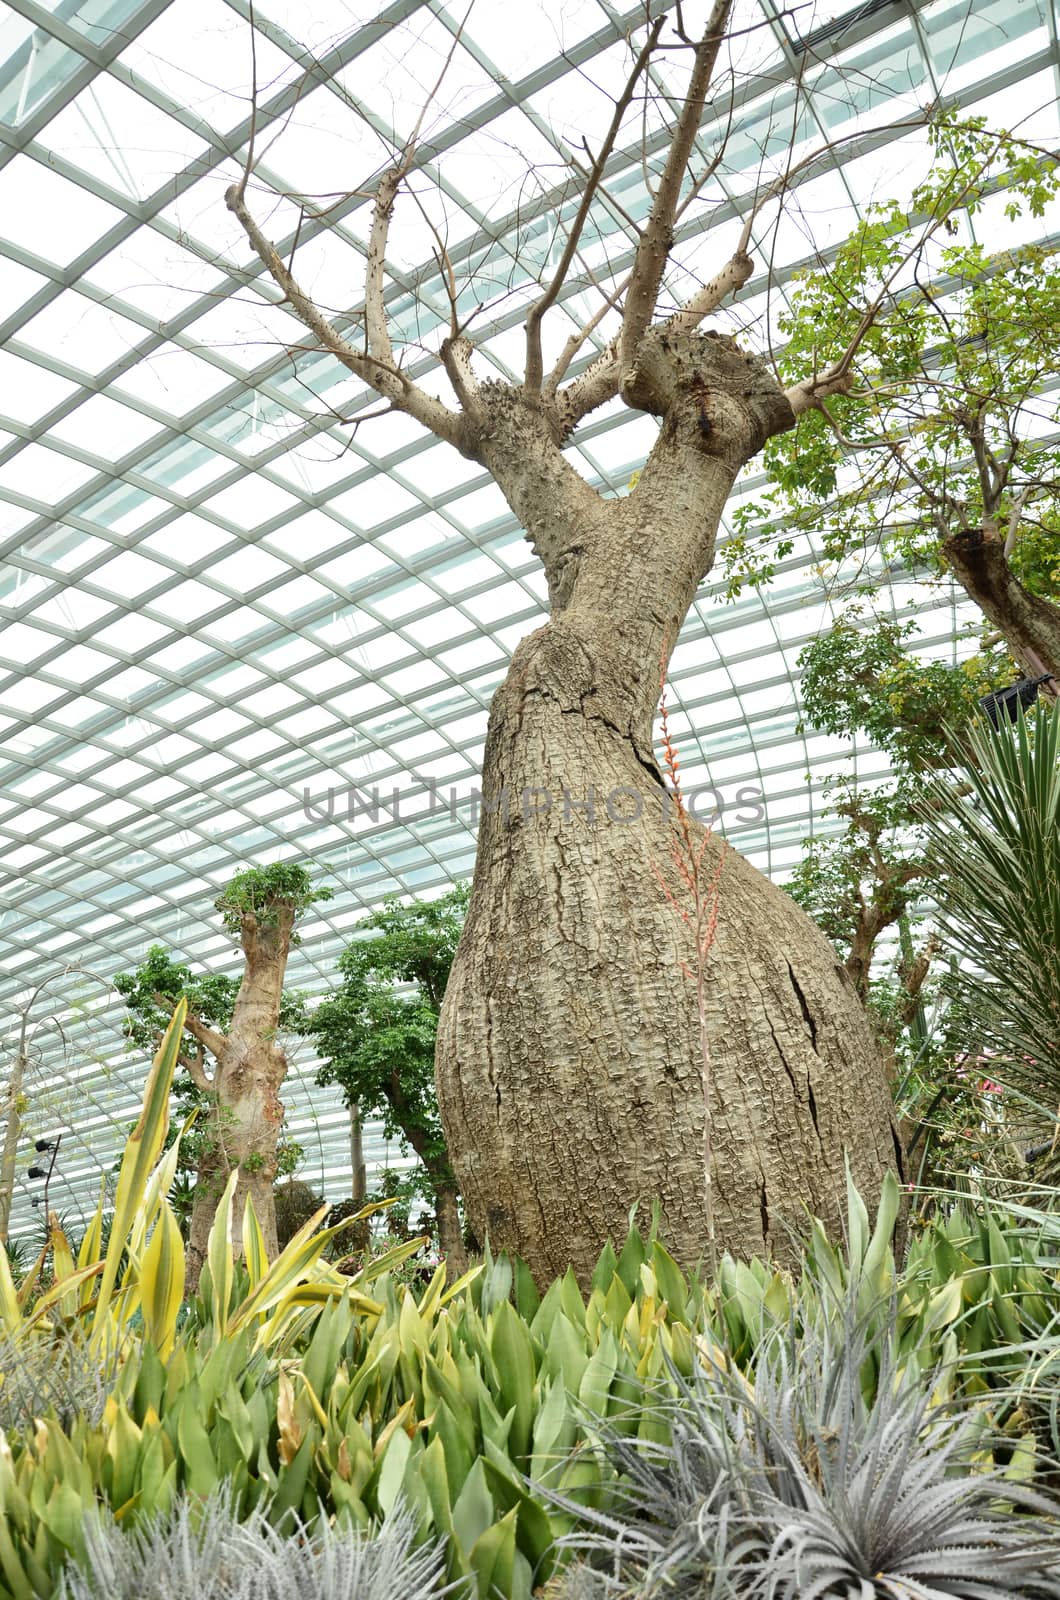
{"type": "Point", "coordinates": [204, 1551]}
{"type": "Point", "coordinates": [794, 1483]}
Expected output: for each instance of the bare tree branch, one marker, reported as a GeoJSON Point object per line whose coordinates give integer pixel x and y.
{"type": "Point", "coordinates": [534, 363]}
{"type": "Point", "coordinates": [1016, 517]}
{"type": "Point", "coordinates": [388, 381]}
{"type": "Point", "coordinates": [576, 340]}
{"type": "Point", "coordinates": [195, 1067]}
{"type": "Point", "coordinates": [376, 330]}
{"type": "Point", "coordinates": [206, 1037]}
{"type": "Point", "coordinates": [653, 249]}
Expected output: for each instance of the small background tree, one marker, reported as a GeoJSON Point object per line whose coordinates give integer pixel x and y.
{"type": "Point", "coordinates": [873, 887]}
{"type": "Point", "coordinates": [941, 450]}
{"type": "Point", "coordinates": [378, 1034]}
{"type": "Point", "coordinates": [236, 1022]}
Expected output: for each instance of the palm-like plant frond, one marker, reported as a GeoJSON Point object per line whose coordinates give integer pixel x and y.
{"type": "Point", "coordinates": [999, 854]}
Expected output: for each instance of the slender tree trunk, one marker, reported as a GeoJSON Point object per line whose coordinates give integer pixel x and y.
{"type": "Point", "coordinates": [211, 1176]}
{"type": "Point", "coordinates": [569, 1071]}
{"type": "Point", "coordinates": [450, 1233]}
{"type": "Point", "coordinates": [358, 1172]}
{"type": "Point", "coordinates": [245, 1130]}
{"type": "Point", "coordinates": [859, 960]}
{"type": "Point", "coordinates": [1029, 625]}
{"type": "Point", "coordinates": [12, 1134]}
{"type": "Point", "coordinates": [443, 1187]}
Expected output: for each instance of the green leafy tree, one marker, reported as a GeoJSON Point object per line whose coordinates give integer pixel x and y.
{"type": "Point", "coordinates": [860, 678]}
{"type": "Point", "coordinates": [233, 1023]}
{"type": "Point", "coordinates": [941, 446]}
{"type": "Point", "coordinates": [377, 1033]}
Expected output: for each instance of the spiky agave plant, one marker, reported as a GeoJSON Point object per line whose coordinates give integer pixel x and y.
{"type": "Point", "coordinates": [789, 1484]}
{"type": "Point", "coordinates": [204, 1551]}
{"type": "Point", "coordinates": [47, 1370]}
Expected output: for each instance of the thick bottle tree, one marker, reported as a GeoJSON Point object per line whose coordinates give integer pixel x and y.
{"type": "Point", "coordinates": [570, 1062]}
{"type": "Point", "coordinates": [942, 447]}
{"type": "Point", "coordinates": [234, 1057]}
{"type": "Point", "coordinates": [377, 1033]}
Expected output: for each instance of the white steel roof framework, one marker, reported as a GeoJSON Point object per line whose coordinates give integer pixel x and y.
{"type": "Point", "coordinates": [226, 590]}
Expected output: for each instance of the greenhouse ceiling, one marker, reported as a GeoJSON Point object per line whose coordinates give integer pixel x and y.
{"type": "Point", "coordinates": [244, 616]}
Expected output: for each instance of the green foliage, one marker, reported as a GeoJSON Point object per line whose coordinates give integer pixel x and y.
{"type": "Point", "coordinates": [151, 992]}
{"type": "Point", "coordinates": [835, 874]}
{"type": "Point", "coordinates": [51, 1371]}
{"type": "Point", "coordinates": [790, 1480]}
{"type": "Point", "coordinates": [378, 1041]}
{"type": "Point", "coordinates": [875, 875]}
{"type": "Point", "coordinates": [859, 677]}
{"type": "Point", "coordinates": [258, 893]}
{"type": "Point", "coordinates": [944, 429]}
{"type": "Point", "coordinates": [496, 1413]}
{"type": "Point", "coordinates": [501, 1416]}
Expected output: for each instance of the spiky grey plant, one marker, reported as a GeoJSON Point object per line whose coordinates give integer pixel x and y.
{"type": "Point", "coordinates": [47, 1370]}
{"type": "Point", "coordinates": [793, 1484]}
{"type": "Point", "coordinates": [201, 1550]}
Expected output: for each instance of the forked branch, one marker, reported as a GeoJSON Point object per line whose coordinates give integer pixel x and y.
{"type": "Point", "coordinates": [534, 363]}
{"type": "Point", "coordinates": [379, 372]}
{"type": "Point", "coordinates": [655, 242]}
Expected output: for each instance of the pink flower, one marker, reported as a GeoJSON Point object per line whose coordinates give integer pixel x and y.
{"type": "Point", "coordinates": [989, 1087]}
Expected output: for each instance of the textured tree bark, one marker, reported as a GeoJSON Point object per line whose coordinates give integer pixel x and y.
{"type": "Point", "coordinates": [450, 1233]}
{"type": "Point", "coordinates": [246, 1112]}
{"type": "Point", "coordinates": [569, 1073]}
{"type": "Point", "coordinates": [1029, 625]}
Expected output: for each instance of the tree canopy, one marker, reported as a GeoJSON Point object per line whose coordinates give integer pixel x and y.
{"type": "Point", "coordinates": [941, 452]}
{"type": "Point", "coordinates": [378, 1030]}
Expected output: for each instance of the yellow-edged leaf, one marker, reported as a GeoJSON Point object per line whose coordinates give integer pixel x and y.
{"type": "Point", "coordinates": [142, 1151]}
{"type": "Point", "coordinates": [162, 1281]}
{"type": "Point", "coordinates": [219, 1253]}
{"type": "Point", "coordinates": [290, 1268]}
{"type": "Point", "coordinates": [29, 1282]}
{"type": "Point", "coordinates": [254, 1252]}
{"type": "Point", "coordinates": [158, 1187]}
{"type": "Point", "coordinates": [62, 1266]}
{"type": "Point", "coordinates": [10, 1310]}
{"type": "Point", "coordinates": [79, 1276]}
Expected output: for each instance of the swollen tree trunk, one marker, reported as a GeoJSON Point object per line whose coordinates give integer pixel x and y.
{"type": "Point", "coordinates": [246, 1112]}
{"type": "Point", "coordinates": [1029, 625]}
{"type": "Point", "coordinates": [569, 1072]}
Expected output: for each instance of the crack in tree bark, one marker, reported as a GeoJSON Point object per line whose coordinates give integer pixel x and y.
{"type": "Point", "coordinates": [807, 1014]}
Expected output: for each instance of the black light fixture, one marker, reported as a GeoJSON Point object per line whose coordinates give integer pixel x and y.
{"type": "Point", "coordinates": [1008, 702]}
{"type": "Point", "coordinates": [45, 1172]}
